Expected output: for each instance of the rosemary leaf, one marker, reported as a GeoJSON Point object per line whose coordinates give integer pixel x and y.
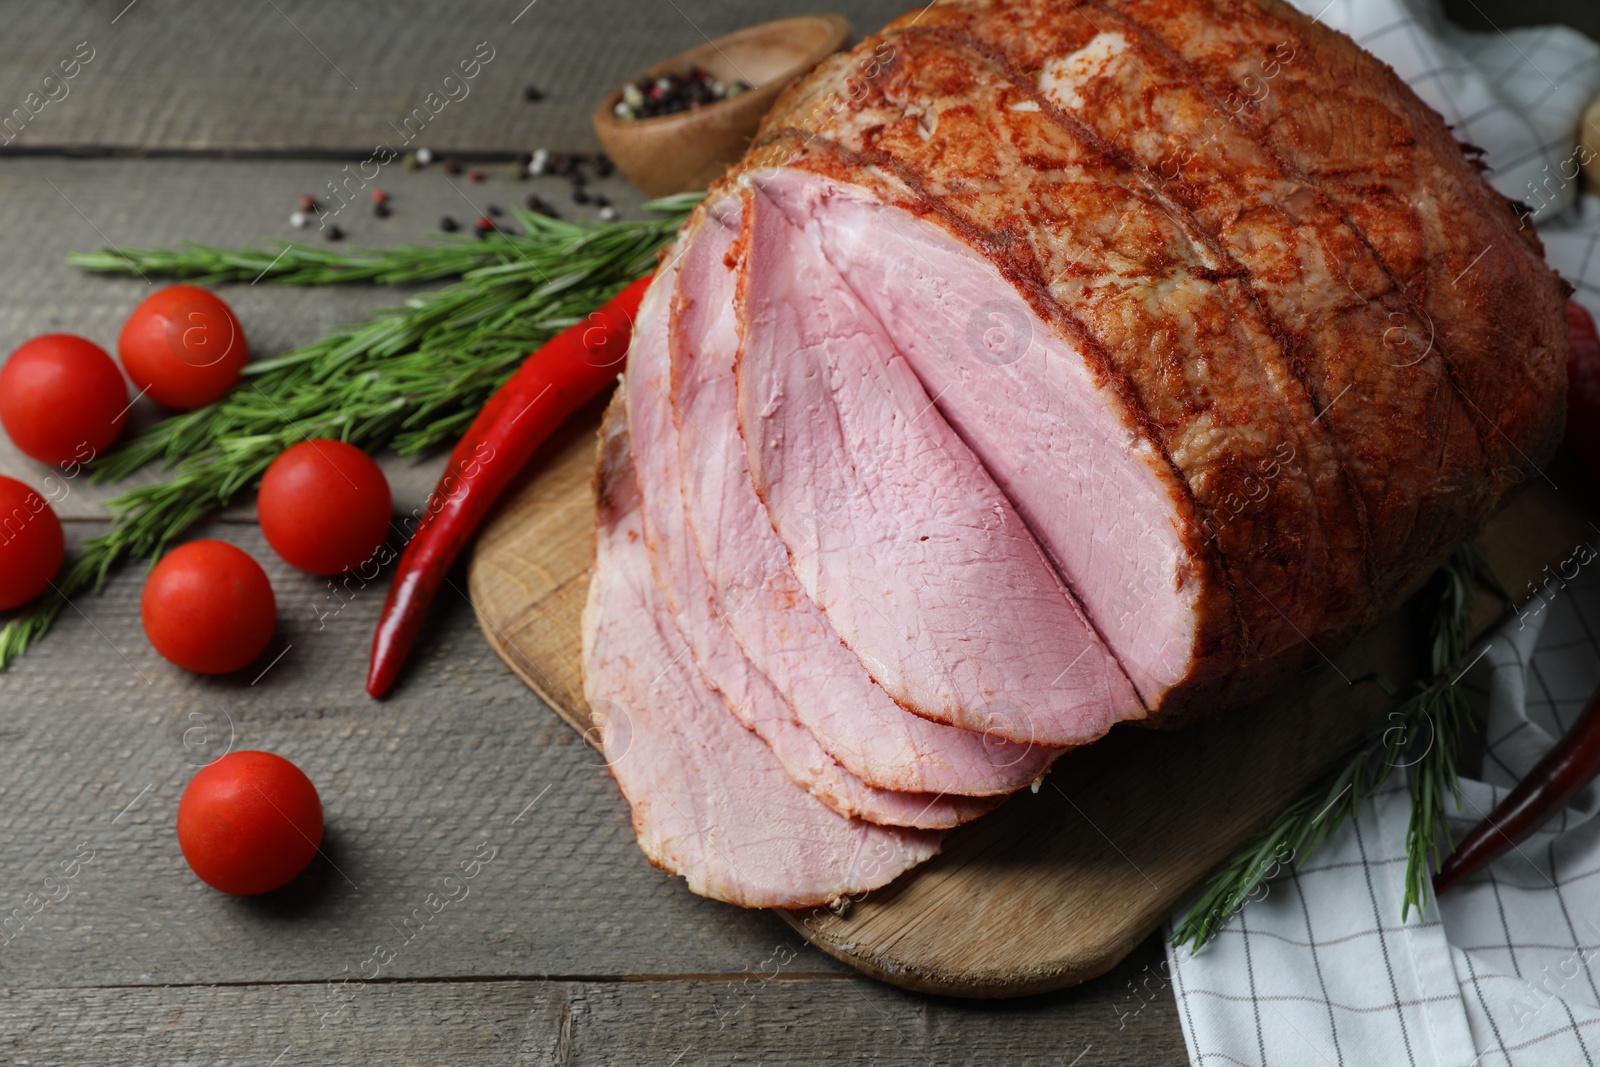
{"type": "Point", "coordinates": [410, 378]}
{"type": "Point", "coordinates": [1423, 734]}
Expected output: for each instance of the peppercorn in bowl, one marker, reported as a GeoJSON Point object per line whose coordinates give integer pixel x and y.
{"type": "Point", "coordinates": [678, 125]}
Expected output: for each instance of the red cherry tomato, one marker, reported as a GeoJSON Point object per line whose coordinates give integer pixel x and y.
{"type": "Point", "coordinates": [249, 822]}
{"type": "Point", "coordinates": [208, 607]}
{"type": "Point", "coordinates": [324, 506]}
{"type": "Point", "coordinates": [62, 400]}
{"type": "Point", "coordinates": [1583, 388]}
{"type": "Point", "coordinates": [183, 346]}
{"type": "Point", "coordinates": [31, 545]}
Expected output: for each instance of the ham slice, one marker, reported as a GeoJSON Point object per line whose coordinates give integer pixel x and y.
{"type": "Point", "coordinates": [895, 529]}
{"type": "Point", "coordinates": [693, 605]}
{"type": "Point", "coordinates": [710, 800]}
{"type": "Point", "coordinates": [766, 610]}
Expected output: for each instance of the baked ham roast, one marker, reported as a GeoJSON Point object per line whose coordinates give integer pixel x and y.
{"type": "Point", "coordinates": [1040, 367]}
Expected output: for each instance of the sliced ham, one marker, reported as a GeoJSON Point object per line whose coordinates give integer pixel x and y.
{"type": "Point", "coordinates": [768, 613]}
{"type": "Point", "coordinates": [693, 605]}
{"type": "Point", "coordinates": [710, 800]}
{"type": "Point", "coordinates": [895, 529]}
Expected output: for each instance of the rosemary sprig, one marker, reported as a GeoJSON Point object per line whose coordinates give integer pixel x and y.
{"type": "Point", "coordinates": [410, 378]}
{"type": "Point", "coordinates": [1424, 734]}
{"type": "Point", "coordinates": [298, 264]}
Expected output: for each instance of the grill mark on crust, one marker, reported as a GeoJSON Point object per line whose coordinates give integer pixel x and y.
{"type": "Point", "coordinates": [1197, 233]}
{"type": "Point", "coordinates": [1476, 417]}
{"type": "Point", "coordinates": [1036, 292]}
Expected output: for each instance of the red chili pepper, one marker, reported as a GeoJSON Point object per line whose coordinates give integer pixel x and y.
{"type": "Point", "coordinates": [567, 372]}
{"type": "Point", "coordinates": [1568, 767]}
{"type": "Point", "coordinates": [1583, 388]}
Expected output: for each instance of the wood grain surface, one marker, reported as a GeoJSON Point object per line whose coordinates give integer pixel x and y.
{"type": "Point", "coordinates": [340, 78]}
{"type": "Point", "coordinates": [570, 950]}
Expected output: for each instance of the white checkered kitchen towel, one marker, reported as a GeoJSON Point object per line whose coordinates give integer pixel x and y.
{"type": "Point", "coordinates": [1506, 969]}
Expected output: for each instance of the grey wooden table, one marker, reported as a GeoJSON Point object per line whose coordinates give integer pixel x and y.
{"type": "Point", "coordinates": [207, 121]}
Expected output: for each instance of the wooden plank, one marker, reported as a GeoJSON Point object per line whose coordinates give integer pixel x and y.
{"type": "Point", "coordinates": [301, 76]}
{"type": "Point", "coordinates": [768, 1014]}
{"type": "Point", "coordinates": [161, 203]}
{"type": "Point", "coordinates": [1058, 886]}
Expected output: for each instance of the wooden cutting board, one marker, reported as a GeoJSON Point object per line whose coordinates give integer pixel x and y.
{"type": "Point", "coordinates": [1056, 886]}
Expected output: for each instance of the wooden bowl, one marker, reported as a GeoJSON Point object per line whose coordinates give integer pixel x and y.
{"type": "Point", "coordinates": [688, 150]}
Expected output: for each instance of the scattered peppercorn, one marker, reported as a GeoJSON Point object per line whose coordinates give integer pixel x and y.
{"type": "Point", "coordinates": [379, 196]}
{"type": "Point", "coordinates": [579, 196]}
{"type": "Point", "coordinates": [333, 233]}
{"type": "Point", "coordinates": [494, 210]}
{"type": "Point", "coordinates": [308, 203]}
{"type": "Point", "coordinates": [537, 205]}
{"type": "Point", "coordinates": [601, 202]}
{"type": "Point", "coordinates": [603, 167]}
{"type": "Point", "coordinates": [532, 94]}
{"type": "Point", "coordinates": [649, 98]}
{"type": "Point", "coordinates": [475, 176]}
{"type": "Point", "coordinates": [381, 209]}
{"type": "Point", "coordinates": [452, 165]}
{"type": "Point", "coordinates": [448, 224]}
{"type": "Point", "coordinates": [483, 227]}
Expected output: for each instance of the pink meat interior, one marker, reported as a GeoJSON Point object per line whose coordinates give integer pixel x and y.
{"type": "Point", "coordinates": [1025, 400]}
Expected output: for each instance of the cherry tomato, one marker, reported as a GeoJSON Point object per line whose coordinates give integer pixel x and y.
{"type": "Point", "coordinates": [1583, 388]}
{"type": "Point", "coordinates": [62, 400]}
{"type": "Point", "coordinates": [183, 346]}
{"type": "Point", "coordinates": [208, 607]}
{"type": "Point", "coordinates": [324, 506]}
{"type": "Point", "coordinates": [31, 545]}
{"type": "Point", "coordinates": [249, 822]}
